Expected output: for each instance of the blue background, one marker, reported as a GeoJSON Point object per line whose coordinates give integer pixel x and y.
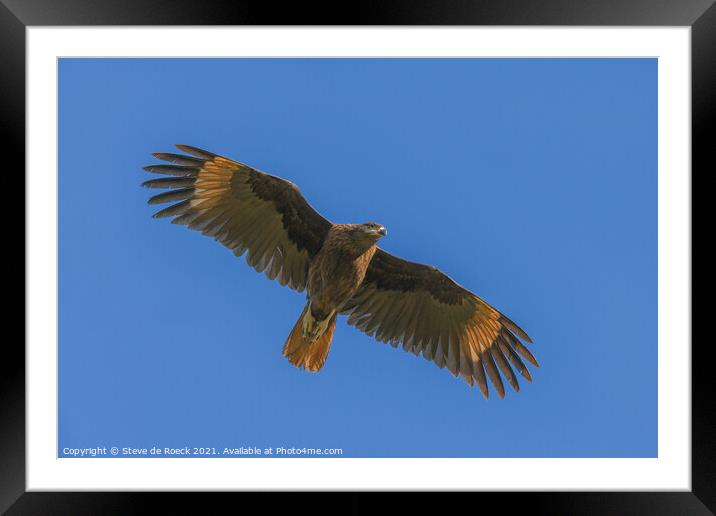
{"type": "Point", "coordinates": [532, 182]}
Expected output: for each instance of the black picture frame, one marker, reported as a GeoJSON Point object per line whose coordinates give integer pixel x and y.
{"type": "Point", "coordinates": [16, 15]}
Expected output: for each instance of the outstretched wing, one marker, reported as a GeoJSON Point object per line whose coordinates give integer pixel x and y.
{"type": "Point", "coordinates": [401, 301]}
{"type": "Point", "coordinates": [244, 209]}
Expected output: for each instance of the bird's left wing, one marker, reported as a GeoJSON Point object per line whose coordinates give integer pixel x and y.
{"type": "Point", "coordinates": [422, 308]}
{"type": "Point", "coordinates": [245, 209]}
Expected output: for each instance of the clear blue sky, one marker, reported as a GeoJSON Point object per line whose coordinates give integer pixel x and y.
{"type": "Point", "coordinates": [532, 182]}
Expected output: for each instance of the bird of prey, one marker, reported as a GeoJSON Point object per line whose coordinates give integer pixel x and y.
{"type": "Point", "coordinates": [342, 270]}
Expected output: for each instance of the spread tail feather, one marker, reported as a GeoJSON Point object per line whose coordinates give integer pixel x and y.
{"type": "Point", "coordinates": [305, 353]}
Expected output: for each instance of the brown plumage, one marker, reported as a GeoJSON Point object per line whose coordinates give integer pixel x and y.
{"type": "Point", "coordinates": [343, 271]}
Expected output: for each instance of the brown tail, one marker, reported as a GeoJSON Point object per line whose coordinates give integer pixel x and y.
{"type": "Point", "coordinates": [304, 353]}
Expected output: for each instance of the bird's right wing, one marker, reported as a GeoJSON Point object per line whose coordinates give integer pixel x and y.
{"type": "Point", "coordinates": [244, 209]}
{"type": "Point", "coordinates": [422, 308]}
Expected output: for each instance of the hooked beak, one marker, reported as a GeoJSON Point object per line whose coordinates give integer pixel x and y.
{"type": "Point", "coordinates": [382, 231]}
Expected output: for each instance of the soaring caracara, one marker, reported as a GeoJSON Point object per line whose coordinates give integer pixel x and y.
{"type": "Point", "coordinates": [343, 270]}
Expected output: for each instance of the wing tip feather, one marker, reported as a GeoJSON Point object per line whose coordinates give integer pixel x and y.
{"type": "Point", "coordinates": [195, 151]}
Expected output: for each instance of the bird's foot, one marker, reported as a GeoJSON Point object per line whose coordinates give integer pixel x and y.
{"type": "Point", "coordinates": [308, 324]}
{"type": "Point", "coordinates": [312, 328]}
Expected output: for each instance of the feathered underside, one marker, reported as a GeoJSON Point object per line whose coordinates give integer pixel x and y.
{"type": "Point", "coordinates": [431, 315]}
{"type": "Point", "coordinates": [245, 209]}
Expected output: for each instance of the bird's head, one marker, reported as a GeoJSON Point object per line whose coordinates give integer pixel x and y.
{"type": "Point", "coordinates": [371, 231]}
